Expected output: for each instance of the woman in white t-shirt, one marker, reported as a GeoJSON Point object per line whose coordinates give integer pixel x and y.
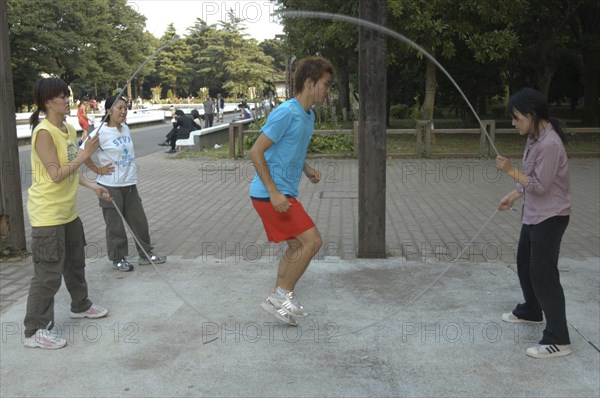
{"type": "Point", "coordinates": [119, 176]}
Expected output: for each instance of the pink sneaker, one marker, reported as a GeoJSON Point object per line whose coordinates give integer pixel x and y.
{"type": "Point", "coordinates": [43, 338]}
{"type": "Point", "coordinates": [93, 312]}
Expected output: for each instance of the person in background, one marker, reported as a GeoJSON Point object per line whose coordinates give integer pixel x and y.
{"type": "Point", "coordinates": [545, 188]}
{"type": "Point", "coordinates": [243, 113]}
{"type": "Point", "coordinates": [57, 236]}
{"type": "Point", "coordinates": [116, 150]}
{"type": "Point", "coordinates": [82, 117]}
{"type": "Point", "coordinates": [220, 107]}
{"type": "Point", "coordinates": [209, 110]}
{"type": "Point", "coordinates": [182, 127]}
{"type": "Point", "coordinates": [196, 119]}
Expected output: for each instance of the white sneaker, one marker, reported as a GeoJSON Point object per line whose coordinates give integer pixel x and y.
{"type": "Point", "coordinates": [510, 317]}
{"type": "Point", "coordinates": [549, 350]}
{"type": "Point", "coordinates": [93, 312]}
{"type": "Point", "coordinates": [43, 338]}
{"type": "Point", "coordinates": [278, 312]}
{"type": "Point", "coordinates": [289, 303]}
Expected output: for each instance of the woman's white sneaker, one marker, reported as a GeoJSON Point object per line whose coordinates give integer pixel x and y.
{"type": "Point", "coordinates": [510, 317]}
{"type": "Point", "coordinates": [93, 312]}
{"type": "Point", "coordinates": [549, 350]}
{"type": "Point", "coordinates": [43, 338]}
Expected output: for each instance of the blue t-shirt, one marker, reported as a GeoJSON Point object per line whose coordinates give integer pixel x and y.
{"type": "Point", "coordinates": [290, 128]}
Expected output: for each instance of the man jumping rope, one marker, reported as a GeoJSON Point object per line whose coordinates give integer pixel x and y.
{"type": "Point", "coordinates": [279, 156]}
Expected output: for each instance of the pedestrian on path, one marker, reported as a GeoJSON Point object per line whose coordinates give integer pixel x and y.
{"type": "Point", "coordinates": [82, 118]}
{"type": "Point", "coordinates": [545, 187]}
{"type": "Point", "coordinates": [57, 237]}
{"type": "Point", "coordinates": [220, 104]}
{"type": "Point", "coordinates": [209, 111]}
{"type": "Point", "coordinates": [279, 157]}
{"type": "Point", "coordinates": [116, 148]}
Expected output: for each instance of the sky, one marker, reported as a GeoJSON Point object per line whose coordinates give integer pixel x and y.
{"type": "Point", "coordinates": [183, 13]}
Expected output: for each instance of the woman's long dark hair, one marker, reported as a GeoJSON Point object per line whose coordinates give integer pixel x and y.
{"type": "Point", "coordinates": [46, 89]}
{"type": "Point", "coordinates": [531, 102]}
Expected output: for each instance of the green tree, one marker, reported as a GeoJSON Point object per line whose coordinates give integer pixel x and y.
{"type": "Point", "coordinates": [274, 49]}
{"type": "Point", "coordinates": [334, 40]}
{"type": "Point", "coordinates": [483, 26]}
{"type": "Point", "coordinates": [65, 39]}
{"type": "Point", "coordinates": [225, 59]}
{"type": "Point", "coordinates": [586, 30]}
{"type": "Point", "coordinates": [172, 64]}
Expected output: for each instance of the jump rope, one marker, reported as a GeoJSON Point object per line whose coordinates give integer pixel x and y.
{"type": "Point", "coordinates": [373, 26]}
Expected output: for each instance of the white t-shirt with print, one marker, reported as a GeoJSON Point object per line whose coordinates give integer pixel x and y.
{"type": "Point", "coordinates": [117, 148]}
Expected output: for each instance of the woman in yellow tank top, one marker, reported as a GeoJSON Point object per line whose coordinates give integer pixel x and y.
{"type": "Point", "coordinates": [57, 238]}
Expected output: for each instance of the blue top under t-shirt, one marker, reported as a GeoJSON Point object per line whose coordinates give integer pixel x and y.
{"type": "Point", "coordinates": [290, 128]}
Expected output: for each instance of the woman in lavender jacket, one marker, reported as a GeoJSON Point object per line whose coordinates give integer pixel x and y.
{"type": "Point", "coordinates": [546, 190]}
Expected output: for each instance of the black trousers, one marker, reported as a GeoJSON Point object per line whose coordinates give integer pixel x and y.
{"type": "Point", "coordinates": [537, 266]}
{"type": "Point", "coordinates": [208, 119]}
{"type": "Point", "coordinates": [172, 137]}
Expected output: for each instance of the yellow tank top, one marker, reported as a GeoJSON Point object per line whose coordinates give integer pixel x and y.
{"type": "Point", "coordinates": [51, 203]}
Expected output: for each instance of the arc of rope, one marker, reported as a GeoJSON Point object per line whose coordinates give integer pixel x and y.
{"type": "Point", "coordinates": [399, 36]}
{"type": "Point", "coordinates": [163, 277]}
{"type": "Point", "coordinates": [148, 59]}
{"type": "Point", "coordinates": [368, 24]}
{"type": "Point", "coordinates": [156, 268]}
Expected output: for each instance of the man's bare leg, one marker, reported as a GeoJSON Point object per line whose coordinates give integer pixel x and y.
{"type": "Point", "coordinates": [294, 262]}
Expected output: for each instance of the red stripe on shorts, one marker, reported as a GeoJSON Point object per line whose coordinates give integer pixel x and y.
{"type": "Point", "coordinates": [283, 226]}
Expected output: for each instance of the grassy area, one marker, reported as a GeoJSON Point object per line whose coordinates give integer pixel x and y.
{"type": "Point", "coordinates": [444, 143]}
{"type": "Point", "coordinates": [208, 153]}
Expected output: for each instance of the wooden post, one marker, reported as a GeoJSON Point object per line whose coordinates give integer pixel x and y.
{"type": "Point", "coordinates": [427, 138]}
{"type": "Point", "coordinates": [485, 149]}
{"type": "Point", "coordinates": [12, 224]}
{"type": "Point", "coordinates": [420, 133]}
{"type": "Point", "coordinates": [372, 131]}
{"type": "Point", "coordinates": [355, 135]}
{"type": "Point", "coordinates": [492, 132]}
{"type": "Point", "coordinates": [241, 127]}
{"type": "Point", "coordinates": [482, 140]}
{"type": "Point", "coordinates": [231, 141]}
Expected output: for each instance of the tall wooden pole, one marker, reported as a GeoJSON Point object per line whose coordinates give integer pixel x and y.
{"type": "Point", "coordinates": [371, 130]}
{"type": "Point", "coordinates": [12, 226]}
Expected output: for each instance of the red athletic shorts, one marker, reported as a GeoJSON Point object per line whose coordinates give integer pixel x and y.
{"type": "Point", "coordinates": [283, 226]}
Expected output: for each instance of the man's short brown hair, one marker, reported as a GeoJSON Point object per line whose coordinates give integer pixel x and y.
{"type": "Point", "coordinates": [311, 68]}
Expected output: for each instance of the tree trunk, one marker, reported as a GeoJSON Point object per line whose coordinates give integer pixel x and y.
{"type": "Point", "coordinates": [430, 89]}
{"type": "Point", "coordinates": [544, 78]}
{"type": "Point", "coordinates": [482, 104]}
{"type": "Point", "coordinates": [589, 17]}
{"type": "Point", "coordinates": [372, 131]}
{"type": "Point", "coordinates": [591, 84]}
{"type": "Point", "coordinates": [344, 90]}
{"type": "Point", "coordinates": [141, 86]}
{"type": "Point", "coordinates": [12, 224]}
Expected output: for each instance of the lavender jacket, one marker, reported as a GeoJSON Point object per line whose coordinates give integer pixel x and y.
{"type": "Point", "coordinates": [548, 186]}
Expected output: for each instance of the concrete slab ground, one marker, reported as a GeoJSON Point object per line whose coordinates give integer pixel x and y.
{"type": "Point", "coordinates": [194, 327]}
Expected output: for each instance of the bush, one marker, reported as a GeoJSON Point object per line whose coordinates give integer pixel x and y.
{"type": "Point", "coordinates": [331, 144]}
{"type": "Point", "coordinates": [400, 111]}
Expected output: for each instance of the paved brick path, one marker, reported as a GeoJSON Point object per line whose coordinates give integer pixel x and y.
{"type": "Point", "coordinates": [199, 208]}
